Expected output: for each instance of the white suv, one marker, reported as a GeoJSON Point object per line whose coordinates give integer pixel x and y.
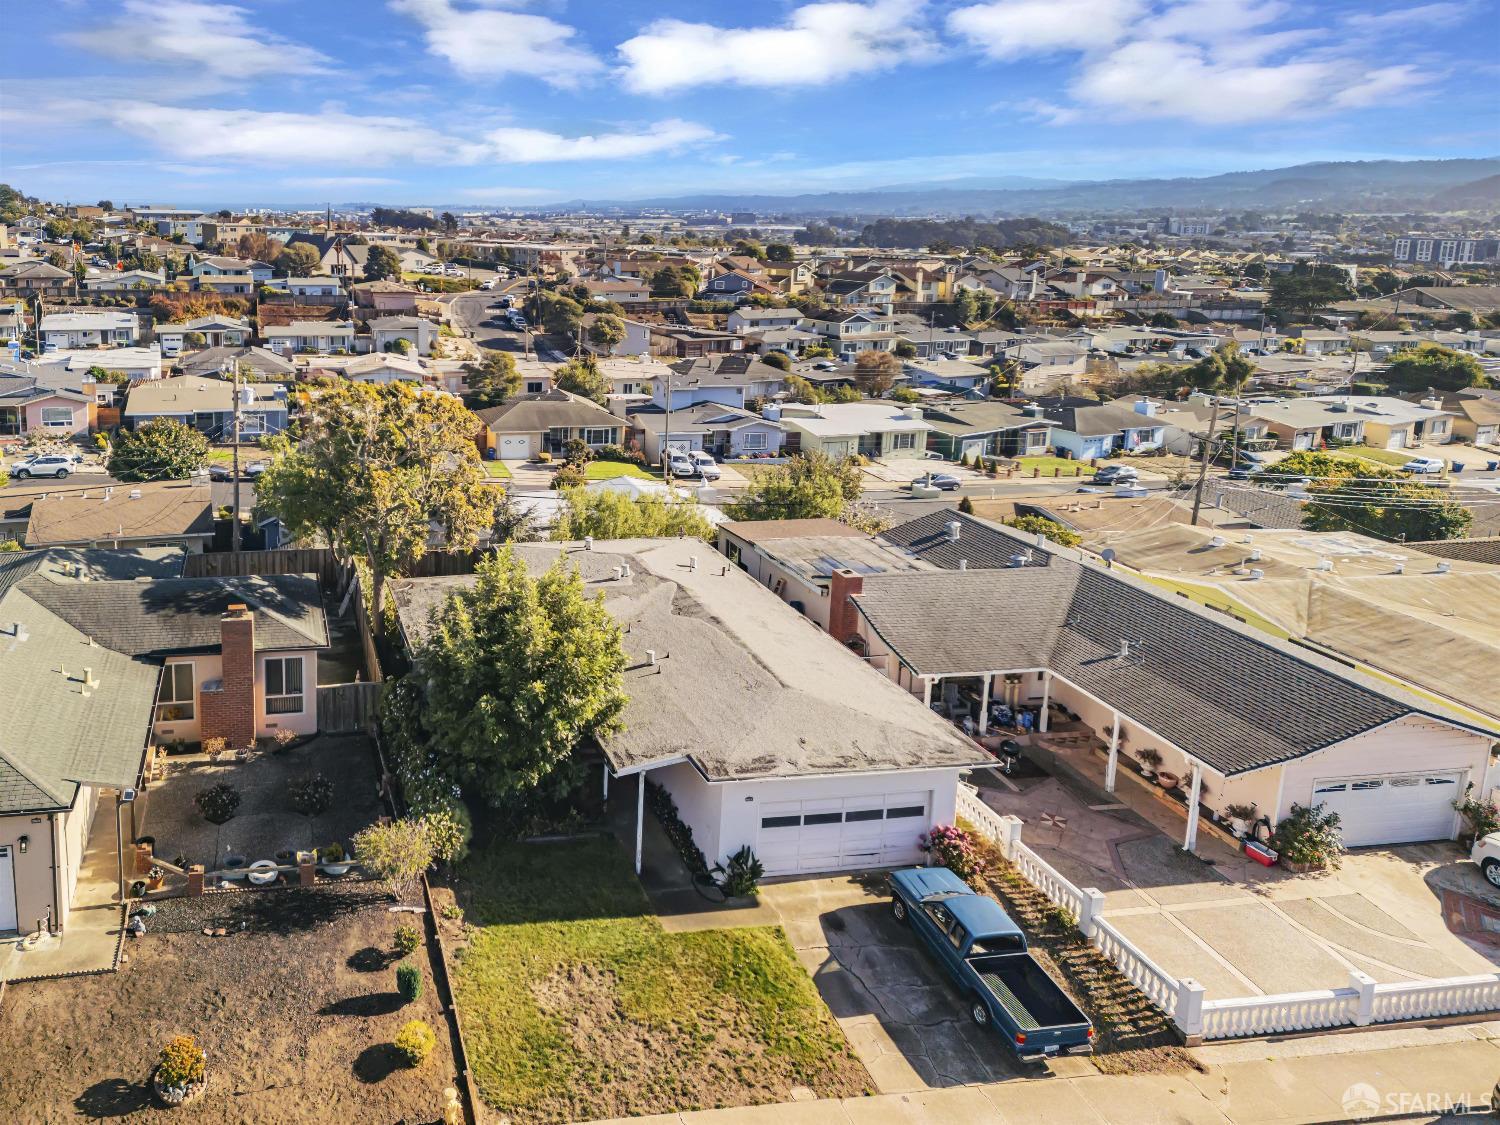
{"type": "Point", "coordinates": [1486, 853]}
{"type": "Point", "coordinates": [707, 467]}
{"type": "Point", "coordinates": [57, 465]}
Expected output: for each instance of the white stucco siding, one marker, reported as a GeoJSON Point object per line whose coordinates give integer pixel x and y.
{"type": "Point", "coordinates": [698, 802]}
{"type": "Point", "coordinates": [75, 835]}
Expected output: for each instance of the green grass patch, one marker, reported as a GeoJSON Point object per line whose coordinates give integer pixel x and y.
{"type": "Point", "coordinates": [1049, 464]}
{"type": "Point", "coordinates": [577, 1005]}
{"type": "Point", "coordinates": [496, 470]}
{"type": "Point", "coordinates": [609, 470]}
{"type": "Point", "coordinates": [221, 456]}
{"type": "Point", "coordinates": [1392, 458]}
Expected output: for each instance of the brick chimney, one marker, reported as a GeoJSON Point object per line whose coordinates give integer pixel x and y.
{"type": "Point", "coordinates": [843, 585]}
{"type": "Point", "coordinates": [229, 712]}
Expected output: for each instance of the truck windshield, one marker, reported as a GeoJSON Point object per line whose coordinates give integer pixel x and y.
{"type": "Point", "coordinates": [1000, 943]}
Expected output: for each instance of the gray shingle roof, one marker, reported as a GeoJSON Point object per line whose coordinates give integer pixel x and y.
{"type": "Point", "coordinates": [1232, 699]}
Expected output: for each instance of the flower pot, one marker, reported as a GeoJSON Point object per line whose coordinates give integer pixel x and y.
{"type": "Point", "coordinates": [155, 882]}
{"type": "Point", "coordinates": [173, 1096]}
{"type": "Point", "coordinates": [1301, 868]}
{"type": "Point", "coordinates": [335, 868]}
{"type": "Point", "coordinates": [1167, 780]}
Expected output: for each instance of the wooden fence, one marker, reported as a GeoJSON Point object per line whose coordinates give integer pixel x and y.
{"type": "Point", "coordinates": [286, 560]}
{"type": "Point", "coordinates": [348, 708]}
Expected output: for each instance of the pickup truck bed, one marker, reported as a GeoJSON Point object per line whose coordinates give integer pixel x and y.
{"type": "Point", "coordinates": [1026, 992]}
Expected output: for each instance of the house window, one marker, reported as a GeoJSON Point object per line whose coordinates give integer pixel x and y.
{"type": "Point", "coordinates": [534, 388]}
{"type": "Point", "coordinates": [174, 702]}
{"type": "Point", "coordinates": [1347, 429]}
{"type": "Point", "coordinates": [903, 441]}
{"type": "Point", "coordinates": [284, 685]}
{"type": "Point", "coordinates": [597, 436]}
{"type": "Point", "coordinates": [59, 417]}
{"type": "Point", "coordinates": [755, 441]}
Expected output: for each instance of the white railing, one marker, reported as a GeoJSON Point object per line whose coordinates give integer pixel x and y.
{"type": "Point", "coordinates": [984, 818]}
{"type": "Point", "coordinates": [1047, 879]}
{"type": "Point", "coordinates": [1160, 986]}
{"type": "Point", "coordinates": [1426, 999]}
{"type": "Point", "coordinates": [1269, 1015]}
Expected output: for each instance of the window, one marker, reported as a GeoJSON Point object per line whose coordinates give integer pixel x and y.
{"type": "Point", "coordinates": [600, 436]}
{"type": "Point", "coordinates": [854, 815]}
{"type": "Point", "coordinates": [780, 821]}
{"type": "Point", "coordinates": [902, 811]}
{"type": "Point", "coordinates": [755, 441]}
{"type": "Point", "coordinates": [958, 936]}
{"type": "Point", "coordinates": [57, 416]}
{"type": "Point", "coordinates": [903, 441]}
{"type": "Point", "coordinates": [822, 818]}
{"type": "Point", "coordinates": [939, 915]}
{"type": "Point", "coordinates": [174, 702]}
{"type": "Point", "coordinates": [999, 943]}
{"type": "Point", "coordinates": [534, 388]}
{"type": "Point", "coordinates": [284, 685]}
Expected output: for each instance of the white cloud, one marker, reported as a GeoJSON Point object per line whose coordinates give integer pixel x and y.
{"type": "Point", "coordinates": [481, 42]}
{"type": "Point", "coordinates": [819, 43]}
{"type": "Point", "coordinates": [1423, 15]}
{"type": "Point", "coordinates": [219, 37]}
{"type": "Point", "coordinates": [534, 146]}
{"type": "Point", "coordinates": [338, 181]}
{"type": "Point", "coordinates": [1009, 29]}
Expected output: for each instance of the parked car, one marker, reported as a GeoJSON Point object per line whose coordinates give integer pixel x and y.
{"type": "Point", "coordinates": [518, 322]}
{"type": "Point", "coordinates": [708, 468]}
{"type": "Point", "coordinates": [506, 302]}
{"type": "Point", "coordinates": [248, 471]}
{"type": "Point", "coordinates": [945, 481]}
{"type": "Point", "coordinates": [488, 283]}
{"type": "Point", "coordinates": [57, 465]}
{"type": "Point", "coordinates": [1425, 465]}
{"type": "Point", "coordinates": [984, 953]}
{"type": "Point", "coordinates": [1115, 474]}
{"type": "Point", "coordinates": [681, 465]}
{"type": "Point", "coordinates": [1486, 853]}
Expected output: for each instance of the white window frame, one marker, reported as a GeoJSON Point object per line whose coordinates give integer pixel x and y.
{"type": "Point", "coordinates": [170, 682]}
{"type": "Point", "coordinates": [904, 441]}
{"type": "Point", "coordinates": [278, 703]}
{"type": "Point", "coordinates": [63, 423]}
{"type": "Point", "coordinates": [597, 435]}
{"type": "Point", "coordinates": [754, 440]}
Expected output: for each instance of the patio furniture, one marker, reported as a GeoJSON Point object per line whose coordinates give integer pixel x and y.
{"type": "Point", "coordinates": [263, 872]}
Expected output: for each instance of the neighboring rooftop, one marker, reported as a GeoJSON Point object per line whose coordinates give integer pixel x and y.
{"type": "Point", "coordinates": [139, 511]}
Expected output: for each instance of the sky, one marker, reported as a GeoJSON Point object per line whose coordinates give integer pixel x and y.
{"type": "Point", "coordinates": [522, 103]}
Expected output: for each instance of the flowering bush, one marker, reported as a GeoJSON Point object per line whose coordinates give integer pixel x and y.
{"type": "Point", "coordinates": [218, 802]}
{"type": "Point", "coordinates": [953, 848]}
{"type": "Point", "coordinates": [182, 1062]}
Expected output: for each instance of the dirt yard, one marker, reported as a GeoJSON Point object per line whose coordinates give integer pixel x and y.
{"type": "Point", "coordinates": [296, 1010]}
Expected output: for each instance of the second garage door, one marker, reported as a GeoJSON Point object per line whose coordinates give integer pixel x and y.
{"type": "Point", "coordinates": [1392, 809]}
{"type": "Point", "coordinates": [843, 833]}
{"type": "Point", "coordinates": [515, 447]}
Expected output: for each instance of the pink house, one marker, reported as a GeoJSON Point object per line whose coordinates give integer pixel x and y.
{"type": "Point", "coordinates": [386, 297]}
{"type": "Point", "coordinates": [27, 408]}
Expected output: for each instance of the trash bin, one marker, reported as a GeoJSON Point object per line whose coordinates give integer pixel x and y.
{"type": "Point", "coordinates": [1492, 466]}
{"type": "Point", "coordinates": [1458, 466]}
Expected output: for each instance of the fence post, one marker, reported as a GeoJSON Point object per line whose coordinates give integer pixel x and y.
{"type": "Point", "coordinates": [1188, 1013]}
{"type": "Point", "coordinates": [1364, 984]}
{"type": "Point", "coordinates": [1010, 834]}
{"type": "Point", "coordinates": [1090, 906]}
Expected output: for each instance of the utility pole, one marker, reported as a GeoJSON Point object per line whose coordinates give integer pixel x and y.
{"type": "Point", "coordinates": [666, 435]}
{"type": "Point", "coordinates": [234, 527]}
{"type": "Point", "coordinates": [1208, 452]}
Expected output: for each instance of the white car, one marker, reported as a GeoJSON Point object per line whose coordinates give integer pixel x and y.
{"type": "Point", "coordinates": [1425, 465]}
{"type": "Point", "coordinates": [681, 465]}
{"type": "Point", "coordinates": [487, 284]}
{"type": "Point", "coordinates": [708, 468]}
{"type": "Point", "coordinates": [1486, 853]}
{"type": "Point", "coordinates": [57, 465]}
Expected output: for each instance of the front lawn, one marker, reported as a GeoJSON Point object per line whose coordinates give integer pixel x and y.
{"type": "Point", "coordinates": [1050, 465]}
{"type": "Point", "coordinates": [1394, 458]}
{"type": "Point", "coordinates": [577, 1005]}
{"type": "Point", "coordinates": [496, 470]}
{"type": "Point", "coordinates": [609, 470]}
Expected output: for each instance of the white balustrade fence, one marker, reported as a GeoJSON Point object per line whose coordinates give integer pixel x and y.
{"type": "Point", "coordinates": [1160, 987]}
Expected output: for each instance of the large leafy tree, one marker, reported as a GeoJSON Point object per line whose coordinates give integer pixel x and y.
{"type": "Point", "coordinates": [1387, 507]}
{"type": "Point", "coordinates": [1308, 288]}
{"type": "Point", "coordinates": [162, 449]}
{"type": "Point", "coordinates": [377, 469]}
{"type": "Point", "coordinates": [492, 380]}
{"type": "Point", "coordinates": [1223, 372]}
{"type": "Point", "coordinates": [518, 671]}
{"type": "Point", "coordinates": [298, 259]}
{"type": "Point", "coordinates": [808, 486]}
{"type": "Point", "coordinates": [582, 377]}
{"type": "Point", "coordinates": [606, 331]}
{"type": "Point", "coordinates": [875, 371]}
{"type": "Point", "coordinates": [604, 514]}
{"type": "Point", "coordinates": [1434, 367]}
{"type": "Point", "coordinates": [382, 264]}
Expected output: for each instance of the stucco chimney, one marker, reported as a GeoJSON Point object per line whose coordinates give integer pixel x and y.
{"type": "Point", "coordinates": [843, 585]}
{"type": "Point", "coordinates": [229, 709]}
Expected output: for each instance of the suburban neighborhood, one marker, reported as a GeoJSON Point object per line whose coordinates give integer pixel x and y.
{"type": "Point", "coordinates": [518, 612]}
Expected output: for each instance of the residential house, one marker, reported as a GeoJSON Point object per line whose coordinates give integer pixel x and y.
{"type": "Point", "coordinates": [731, 380]}
{"type": "Point", "coordinates": [965, 430]}
{"type": "Point", "coordinates": [1476, 415]}
{"type": "Point", "coordinates": [28, 406]}
{"type": "Point", "coordinates": [307, 286]}
{"type": "Point", "coordinates": [124, 281]}
{"type": "Point", "coordinates": [791, 342]}
{"type": "Point", "coordinates": [929, 341]}
{"type": "Point", "coordinates": [417, 332]}
{"type": "Point", "coordinates": [725, 432]}
{"type": "Point", "coordinates": [862, 289]}
{"type": "Point", "coordinates": [249, 359]}
{"type": "Point", "coordinates": [1394, 423]}
{"type": "Point", "coordinates": [36, 278]}
{"type": "Point", "coordinates": [879, 430]}
{"type": "Point", "coordinates": [948, 373]}
{"type": "Point", "coordinates": [103, 329]}
{"type": "Point", "coordinates": [620, 292]}
{"type": "Point", "coordinates": [1142, 668]}
{"type": "Point", "coordinates": [390, 297]}
{"type": "Point", "coordinates": [137, 364]}
{"type": "Point", "coordinates": [1318, 341]}
{"type": "Point", "coordinates": [1481, 300]}
{"type": "Point", "coordinates": [523, 426]}
{"type": "Point", "coordinates": [767, 735]}
{"type": "Point", "coordinates": [203, 331]}
{"type": "Point", "coordinates": [336, 257]}
{"type": "Point", "coordinates": [850, 331]}
{"type": "Point", "coordinates": [689, 342]}
{"type": "Point", "coordinates": [226, 284]}
{"type": "Point", "coordinates": [214, 265]}
{"type": "Point", "coordinates": [1046, 364]}
{"type": "Point", "coordinates": [373, 367]}
{"type": "Point", "coordinates": [1084, 429]}
{"type": "Point", "coordinates": [629, 376]}
{"type": "Point", "coordinates": [636, 342]}
{"type": "Point", "coordinates": [735, 283]}
{"type": "Point", "coordinates": [151, 514]}
{"type": "Point", "coordinates": [12, 322]}
{"type": "Point", "coordinates": [321, 336]}
{"type": "Point", "coordinates": [207, 405]}
{"type": "Point", "coordinates": [1312, 423]}
{"type": "Point", "coordinates": [748, 319]}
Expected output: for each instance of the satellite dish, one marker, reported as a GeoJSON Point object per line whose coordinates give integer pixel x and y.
{"type": "Point", "coordinates": [1108, 554]}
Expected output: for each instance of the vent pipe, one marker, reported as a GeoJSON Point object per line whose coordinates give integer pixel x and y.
{"type": "Point", "coordinates": [1257, 575]}
{"type": "Point", "coordinates": [1444, 567]}
{"type": "Point", "coordinates": [963, 564]}
{"type": "Point", "coordinates": [954, 530]}
{"type": "Point", "coordinates": [651, 657]}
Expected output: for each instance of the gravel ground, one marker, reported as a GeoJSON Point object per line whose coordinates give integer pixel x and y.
{"type": "Point", "coordinates": [296, 1011]}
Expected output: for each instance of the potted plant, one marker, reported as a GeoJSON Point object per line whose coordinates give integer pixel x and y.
{"type": "Point", "coordinates": [1309, 839]}
{"type": "Point", "coordinates": [155, 878]}
{"type": "Point", "coordinates": [214, 746]}
{"type": "Point", "coordinates": [333, 859]}
{"type": "Point", "coordinates": [181, 1073]}
{"type": "Point", "coordinates": [1240, 819]}
{"type": "Point", "coordinates": [1150, 761]}
{"type": "Point", "coordinates": [1167, 779]}
{"type": "Point", "coordinates": [1480, 818]}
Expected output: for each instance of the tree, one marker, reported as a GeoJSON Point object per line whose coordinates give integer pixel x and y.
{"type": "Point", "coordinates": [258, 247]}
{"type": "Point", "coordinates": [801, 390]}
{"type": "Point", "coordinates": [162, 449]}
{"type": "Point", "coordinates": [1307, 288]}
{"type": "Point", "coordinates": [905, 349]}
{"type": "Point", "coordinates": [582, 377]}
{"type": "Point", "coordinates": [606, 331]}
{"type": "Point", "coordinates": [1387, 507]}
{"type": "Point", "coordinates": [492, 380]}
{"type": "Point", "coordinates": [749, 248]}
{"type": "Point", "coordinates": [778, 252]}
{"type": "Point", "coordinates": [106, 205]}
{"type": "Point", "coordinates": [382, 264]}
{"type": "Point", "coordinates": [298, 259]}
{"type": "Point", "coordinates": [779, 360]}
{"type": "Point", "coordinates": [561, 316]}
{"type": "Point", "coordinates": [875, 371]}
{"type": "Point", "coordinates": [808, 486]}
{"type": "Point", "coordinates": [605, 514]}
{"type": "Point", "coordinates": [449, 221]}
{"type": "Point", "coordinates": [376, 469]}
{"type": "Point", "coordinates": [1163, 320]}
{"type": "Point", "coordinates": [672, 281]}
{"type": "Point", "coordinates": [904, 395]}
{"type": "Point", "coordinates": [1040, 525]}
{"type": "Point", "coordinates": [1432, 366]}
{"type": "Point", "coordinates": [517, 671]}
{"type": "Point", "coordinates": [398, 851]}
{"type": "Point", "coordinates": [512, 523]}
{"type": "Point", "coordinates": [1222, 372]}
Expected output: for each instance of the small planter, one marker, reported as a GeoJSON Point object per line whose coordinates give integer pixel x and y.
{"type": "Point", "coordinates": [1241, 828]}
{"type": "Point", "coordinates": [155, 882]}
{"type": "Point", "coordinates": [174, 1096]}
{"type": "Point", "coordinates": [1167, 780]}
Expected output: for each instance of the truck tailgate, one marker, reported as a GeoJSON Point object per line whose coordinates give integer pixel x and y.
{"type": "Point", "coordinates": [1037, 1004]}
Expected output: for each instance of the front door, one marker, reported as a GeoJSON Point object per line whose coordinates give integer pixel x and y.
{"type": "Point", "coordinates": [7, 889]}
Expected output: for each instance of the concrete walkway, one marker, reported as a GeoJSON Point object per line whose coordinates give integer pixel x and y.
{"type": "Point", "coordinates": [1404, 1075]}
{"type": "Point", "coordinates": [530, 476]}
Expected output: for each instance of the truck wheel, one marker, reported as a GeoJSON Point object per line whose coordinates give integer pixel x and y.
{"type": "Point", "coordinates": [1491, 869]}
{"type": "Point", "coordinates": [979, 1013]}
{"type": "Point", "coordinates": [898, 908]}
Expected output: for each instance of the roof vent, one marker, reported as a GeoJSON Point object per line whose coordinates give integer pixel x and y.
{"type": "Point", "coordinates": [135, 493]}
{"type": "Point", "coordinates": [1444, 567]}
{"type": "Point", "coordinates": [1124, 653]}
{"type": "Point", "coordinates": [1400, 568]}
{"type": "Point", "coordinates": [651, 657]}
{"type": "Point", "coordinates": [88, 678]}
{"type": "Point", "coordinates": [1324, 565]}
{"type": "Point", "coordinates": [1216, 541]}
{"type": "Point", "coordinates": [1020, 559]}
{"type": "Point", "coordinates": [955, 529]}
{"type": "Point", "coordinates": [692, 562]}
{"type": "Point", "coordinates": [1257, 574]}
{"type": "Point", "coordinates": [963, 564]}
{"type": "Point", "coordinates": [588, 542]}
{"type": "Point", "coordinates": [18, 630]}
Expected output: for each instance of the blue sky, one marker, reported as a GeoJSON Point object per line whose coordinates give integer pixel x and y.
{"type": "Point", "coordinates": [523, 102]}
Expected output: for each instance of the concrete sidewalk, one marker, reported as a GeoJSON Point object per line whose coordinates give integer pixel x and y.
{"type": "Point", "coordinates": [1407, 1074]}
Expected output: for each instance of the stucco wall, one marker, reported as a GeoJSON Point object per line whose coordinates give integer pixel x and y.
{"type": "Point", "coordinates": [208, 666]}
{"type": "Point", "coordinates": [698, 802]}
{"type": "Point", "coordinates": [33, 871]}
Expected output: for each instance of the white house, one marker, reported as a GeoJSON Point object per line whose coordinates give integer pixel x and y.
{"type": "Point", "coordinates": [307, 286]}
{"type": "Point", "coordinates": [879, 430]}
{"type": "Point", "coordinates": [309, 336]}
{"type": "Point", "coordinates": [104, 329]}
{"type": "Point", "coordinates": [766, 734]}
{"type": "Point", "coordinates": [386, 330]}
{"type": "Point", "coordinates": [216, 332]}
{"type": "Point", "coordinates": [137, 363]}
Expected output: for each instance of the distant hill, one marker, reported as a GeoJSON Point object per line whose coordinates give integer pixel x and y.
{"type": "Point", "coordinates": [1474, 195]}
{"type": "Point", "coordinates": [1345, 185]}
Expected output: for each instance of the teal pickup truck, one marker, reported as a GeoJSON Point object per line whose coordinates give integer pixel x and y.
{"type": "Point", "coordinates": [985, 954]}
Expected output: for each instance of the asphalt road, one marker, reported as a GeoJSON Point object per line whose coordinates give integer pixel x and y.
{"type": "Point", "coordinates": [469, 311]}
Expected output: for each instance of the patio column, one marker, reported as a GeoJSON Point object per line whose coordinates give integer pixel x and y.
{"type": "Point", "coordinates": [1041, 722]}
{"type": "Point", "coordinates": [984, 704]}
{"type": "Point", "coordinates": [1114, 756]}
{"type": "Point", "coordinates": [640, 816]}
{"type": "Point", "coordinates": [1190, 840]}
{"type": "Point", "coordinates": [926, 692]}
{"type": "Point", "coordinates": [606, 781]}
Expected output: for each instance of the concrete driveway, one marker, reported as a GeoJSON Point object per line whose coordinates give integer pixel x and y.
{"type": "Point", "coordinates": [906, 1023]}
{"type": "Point", "coordinates": [1237, 928]}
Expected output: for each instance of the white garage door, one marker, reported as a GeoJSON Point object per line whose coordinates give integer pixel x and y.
{"type": "Point", "coordinates": [842, 833]}
{"type": "Point", "coordinates": [7, 890]}
{"type": "Point", "coordinates": [1393, 809]}
{"type": "Point", "coordinates": [515, 447]}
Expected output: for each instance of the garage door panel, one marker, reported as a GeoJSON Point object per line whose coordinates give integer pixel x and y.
{"type": "Point", "coordinates": [515, 447]}
{"type": "Point", "coordinates": [842, 833]}
{"type": "Point", "coordinates": [1393, 808]}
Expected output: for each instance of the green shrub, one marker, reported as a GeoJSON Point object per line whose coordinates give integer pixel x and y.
{"type": "Point", "coordinates": [310, 795]}
{"type": "Point", "coordinates": [570, 476]}
{"type": "Point", "coordinates": [743, 874]}
{"type": "Point", "coordinates": [1309, 835]}
{"type": "Point", "coordinates": [415, 1042]}
{"type": "Point", "coordinates": [407, 939]}
{"type": "Point", "coordinates": [665, 811]}
{"type": "Point", "coordinates": [408, 981]}
{"type": "Point", "coordinates": [218, 802]}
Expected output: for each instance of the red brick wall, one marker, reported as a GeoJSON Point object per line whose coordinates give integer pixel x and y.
{"type": "Point", "coordinates": [230, 711]}
{"type": "Point", "coordinates": [841, 612]}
